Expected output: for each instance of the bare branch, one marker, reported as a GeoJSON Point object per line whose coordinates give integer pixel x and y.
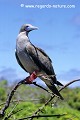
{"type": "Point", "coordinates": [6, 118]}
{"type": "Point", "coordinates": [43, 88]}
{"type": "Point", "coordinates": [20, 100]}
{"type": "Point", "coordinates": [11, 111]}
{"type": "Point", "coordinates": [38, 116]}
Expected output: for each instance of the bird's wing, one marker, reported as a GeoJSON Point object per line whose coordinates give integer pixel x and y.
{"type": "Point", "coordinates": [40, 58]}
{"type": "Point", "coordinates": [19, 61]}
{"type": "Point", "coordinates": [43, 52]}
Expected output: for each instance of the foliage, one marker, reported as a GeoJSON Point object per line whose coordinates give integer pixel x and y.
{"type": "Point", "coordinates": [73, 97]}
{"type": "Point", "coordinates": [3, 90]}
{"type": "Point", "coordinates": [28, 99]}
{"type": "Point", "coordinates": [27, 108]}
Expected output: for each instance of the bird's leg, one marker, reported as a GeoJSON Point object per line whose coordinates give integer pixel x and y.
{"type": "Point", "coordinates": [31, 78]}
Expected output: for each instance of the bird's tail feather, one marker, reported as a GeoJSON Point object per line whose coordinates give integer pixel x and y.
{"type": "Point", "coordinates": [56, 82]}
{"type": "Point", "coordinates": [50, 83]}
{"type": "Point", "coordinates": [53, 88]}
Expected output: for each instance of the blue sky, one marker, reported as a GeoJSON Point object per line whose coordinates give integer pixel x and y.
{"type": "Point", "coordinates": [58, 35]}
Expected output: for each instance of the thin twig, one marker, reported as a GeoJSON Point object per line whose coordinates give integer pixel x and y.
{"type": "Point", "coordinates": [43, 88]}
{"type": "Point", "coordinates": [38, 116]}
{"type": "Point", "coordinates": [11, 111]}
{"type": "Point", "coordinates": [20, 100]}
{"type": "Point", "coordinates": [6, 118]}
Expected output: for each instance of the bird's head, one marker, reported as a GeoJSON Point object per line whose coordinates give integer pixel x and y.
{"type": "Point", "coordinates": [27, 28]}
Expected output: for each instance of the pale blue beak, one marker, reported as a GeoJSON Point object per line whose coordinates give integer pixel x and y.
{"type": "Point", "coordinates": [30, 28]}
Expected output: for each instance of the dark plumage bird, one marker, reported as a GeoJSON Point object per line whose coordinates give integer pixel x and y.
{"type": "Point", "coordinates": [33, 59]}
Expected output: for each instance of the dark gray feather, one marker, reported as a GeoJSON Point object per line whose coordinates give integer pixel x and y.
{"type": "Point", "coordinates": [19, 61]}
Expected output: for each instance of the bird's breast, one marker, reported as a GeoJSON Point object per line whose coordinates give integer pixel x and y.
{"type": "Point", "coordinates": [27, 61]}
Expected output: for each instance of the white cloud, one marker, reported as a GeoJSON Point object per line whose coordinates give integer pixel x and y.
{"type": "Point", "coordinates": [12, 75]}
{"type": "Point", "coordinates": [70, 75]}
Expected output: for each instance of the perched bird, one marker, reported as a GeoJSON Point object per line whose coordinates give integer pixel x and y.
{"type": "Point", "coordinates": [34, 60]}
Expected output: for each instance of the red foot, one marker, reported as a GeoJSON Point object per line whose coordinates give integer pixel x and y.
{"type": "Point", "coordinates": [30, 78]}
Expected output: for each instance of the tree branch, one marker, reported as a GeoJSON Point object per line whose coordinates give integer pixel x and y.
{"type": "Point", "coordinates": [38, 116]}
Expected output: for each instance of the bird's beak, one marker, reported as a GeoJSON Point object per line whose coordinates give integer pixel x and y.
{"type": "Point", "coordinates": [30, 28]}
{"type": "Point", "coordinates": [34, 28]}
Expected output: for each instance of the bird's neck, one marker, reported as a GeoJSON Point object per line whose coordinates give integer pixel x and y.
{"type": "Point", "coordinates": [22, 40]}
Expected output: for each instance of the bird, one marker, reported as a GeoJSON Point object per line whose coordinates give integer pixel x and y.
{"type": "Point", "coordinates": [35, 60]}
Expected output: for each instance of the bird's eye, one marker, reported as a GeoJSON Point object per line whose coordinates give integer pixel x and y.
{"type": "Point", "coordinates": [26, 27]}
